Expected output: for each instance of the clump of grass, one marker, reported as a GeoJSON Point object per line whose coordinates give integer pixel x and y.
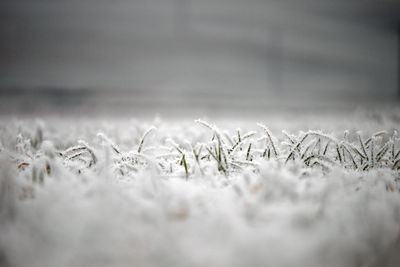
{"type": "Point", "coordinates": [218, 149]}
{"type": "Point", "coordinates": [182, 161]}
{"type": "Point", "coordinates": [82, 152]}
{"type": "Point", "coordinates": [240, 140]}
{"type": "Point", "coordinates": [217, 155]}
{"type": "Point", "coordinates": [231, 153]}
{"type": "Point", "coordinates": [196, 154]}
{"type": "Point", "coordinates": [268, 134]}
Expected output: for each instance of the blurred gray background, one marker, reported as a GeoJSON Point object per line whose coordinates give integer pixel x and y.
{"type": "Point", "coordinates": [160, 55]}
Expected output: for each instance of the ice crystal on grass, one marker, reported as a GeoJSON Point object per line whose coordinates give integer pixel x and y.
{"type": "Point", "coordinates": [190, 194]}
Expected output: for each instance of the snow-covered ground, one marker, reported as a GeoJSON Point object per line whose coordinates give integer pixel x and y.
{"type": "Point", "coordinates": [222, 192]}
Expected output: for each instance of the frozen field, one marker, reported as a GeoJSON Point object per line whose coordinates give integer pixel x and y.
{"type": "Point", "coordinates": [212, 192]}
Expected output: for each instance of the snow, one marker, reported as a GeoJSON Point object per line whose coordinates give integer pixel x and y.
{"type": "Point", "coordinates": [116, 192]}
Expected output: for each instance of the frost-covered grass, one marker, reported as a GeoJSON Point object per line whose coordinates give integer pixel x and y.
{"type": "Point", "coordinates": [194, 193]}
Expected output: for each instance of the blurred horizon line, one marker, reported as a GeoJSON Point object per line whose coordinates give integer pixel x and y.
{"type": "Point", "coordinates": [87, 101]}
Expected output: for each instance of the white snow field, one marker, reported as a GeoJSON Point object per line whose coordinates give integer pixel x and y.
{"type": "Point", "coordinates": [174, 192]}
